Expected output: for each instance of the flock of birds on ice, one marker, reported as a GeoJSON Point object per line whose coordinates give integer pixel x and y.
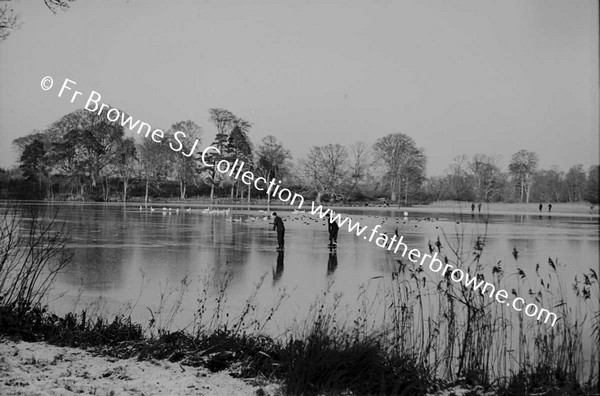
{"type": "Point", "coordinates": [263, 215]}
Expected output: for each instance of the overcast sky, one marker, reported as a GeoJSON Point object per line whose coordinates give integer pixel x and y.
{"type": "Point", "coordinates": [460, 77]}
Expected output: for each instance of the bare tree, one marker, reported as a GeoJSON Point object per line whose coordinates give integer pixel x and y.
{"type": "Point", "coordinates": [224, 121]}
{"type": "Point", "coordinates": [459, 180]}
{"type": "Point", "coordinates": [522, 166]}
{"type": "Point", "coordinates": [548, 185]}
{"type": "Point", "coordinates": [404, 161]}
{"type": "Point", "coordinates": [361, 162]}
{"type": "Point", "coordinates": [487, 176]}
{"type": "Point", "coordinates": [575, 180]}
{"type": "Point", "coordinates": [125, 163]}
{"type": "Point", "coordinates": [414, 175]}
{"type": "Point", "coordinates": [272, 159]}
{"type": "Point", "coordinates": [86, 148]}
{"type": "Point", "coordinates": [10, 21]}
{"type": "Point", "coordinates": [325, 168]}
{"type": "Point", "coordinates": [592, 187]}
{"type": "Point", "coordinates": [34, 164]}
{"type": "Point", "coordinates": [184, 167]}
{"type": "Point", "coordinates": [154, 163]}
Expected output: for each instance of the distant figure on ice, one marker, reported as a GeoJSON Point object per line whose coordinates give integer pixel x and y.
{"type": "Point", "coordinates": [549, 207]}
{"type": "Point", "coordinates": [541, 207]}
{"type": "Point", "coordinates": [479, 207]}
{"type": "Point", "coordinates": [473, 207]}
{"type": "Point", "coordinates": [280, 228]}
{"type": "Point", "coordinates": [333, 229]}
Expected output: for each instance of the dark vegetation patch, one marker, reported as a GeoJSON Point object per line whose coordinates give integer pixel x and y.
{"type": "Point", "coordinates": [319, 364]}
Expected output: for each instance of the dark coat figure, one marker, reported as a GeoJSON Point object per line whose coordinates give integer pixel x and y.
{"type": "Point", "coordinates": [280, 228]}
{"type": "Point", "coordinates": [549, 207]}
{"type": "Point", "coordinates": [479, 207]}
{"type": "Point", "coordinates": [541, 207]}
{"type": "Point", "coordinates": [472, 207]}
{"type": "Point", "coordinates": [333, 229]}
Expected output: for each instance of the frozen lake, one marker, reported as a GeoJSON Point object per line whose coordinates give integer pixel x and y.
{"type": "Point", "coordinates": [127, 254]}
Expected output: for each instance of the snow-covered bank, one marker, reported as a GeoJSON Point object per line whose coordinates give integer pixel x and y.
{"type": "Point", "coordinates": [42, 369]}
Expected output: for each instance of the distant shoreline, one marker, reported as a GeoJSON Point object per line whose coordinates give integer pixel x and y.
{"type": "Point", "coordinates": [578, 209]}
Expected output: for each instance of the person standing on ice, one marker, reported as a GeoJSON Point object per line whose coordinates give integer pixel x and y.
{"type": "Point", "coordinates": [333, 229]}
{"type": "Point", "coordinates": [280, 228]}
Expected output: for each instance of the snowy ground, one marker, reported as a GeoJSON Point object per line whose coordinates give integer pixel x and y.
{"type": "Point", "coordinates": [42, 369]}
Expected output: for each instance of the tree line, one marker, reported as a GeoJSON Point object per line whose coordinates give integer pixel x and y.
{"type": "Point", "coordinates": [84, 156]}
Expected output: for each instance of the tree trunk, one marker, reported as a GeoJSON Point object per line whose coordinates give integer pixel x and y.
{"type": "Point", "coordinates": [393, 185]}
{"type": "Point", "coordinates": [124, 190]}
{"type": "Point", "coordinates": [212, 191]}
{"type": "Point", "coordinates": [49, 189]}
{"type": "Point", "coordinates": [522, 189]}
{"type": "Point", "coordinates": [182, 188]}
{"type": "Point", "coordinates": [147, 184]}
{"type": "Point", "coordinates": [105, 189]}
{"type": "Point", "coordinates": [319, 194]}
{"type": "Point", "coordinates": [249, 189]}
